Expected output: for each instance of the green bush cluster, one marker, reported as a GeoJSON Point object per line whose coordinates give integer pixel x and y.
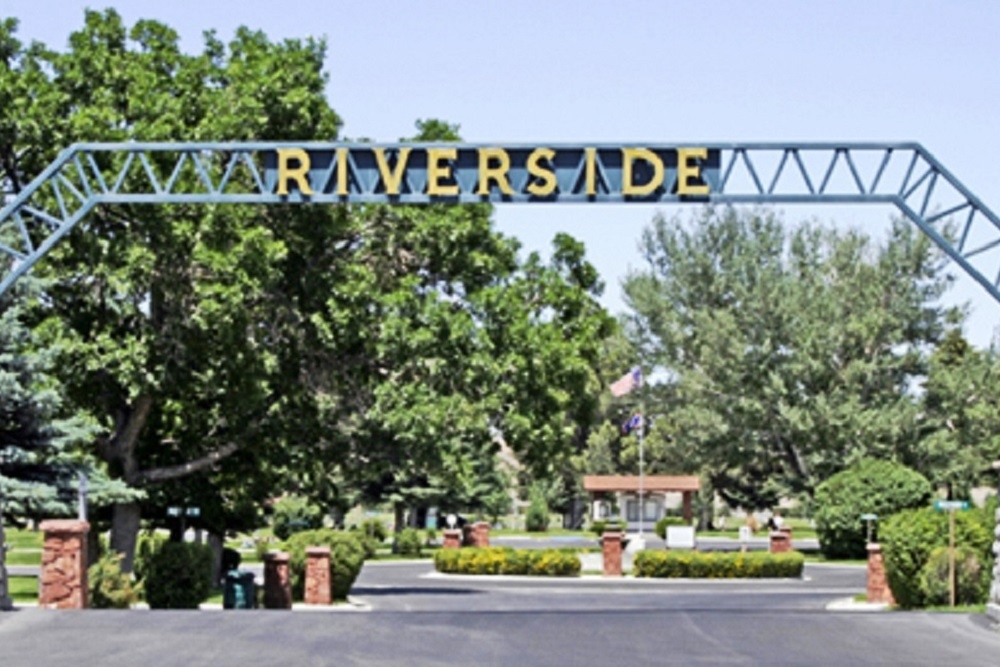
{"type": "Point", "coordinates": [536, 520]}
{"type": "Point", "coordinates": [971, 582]}
{"type": "Point", "coordinates": [347, 555]}
{"type": "Point", "coordinates": [717, 565]}
{"type": "Point", "coordinates": [409, 543]}
{"type": "Point", "coordinates": [505, 560]}
{"type": "Point", "coordinates": [110, 588]}
{"type": "Point", "coordinates": [910, 538]}
{"type": "Point", "coordinates": [178, 575]}
{"type": "Point", "coordinates": [869, 487]}
{"type": "Point", "coordinates": [661, 525]}
{"type": "Point", "coordinates": [600, 526]}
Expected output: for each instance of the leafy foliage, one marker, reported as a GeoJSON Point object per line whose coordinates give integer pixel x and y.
{"type": "Point", "coordinates": [971, 578]}
{"type": "Point", "coordinates": [505, 560]}
{"type": "Point", "coordinates": [788, 353]}
{"type": "Point", "coordinates": [110, 588]}
{"type": "Point", "coordinates": [294, 514]}
{"type": "Point", "coordinates": [178, 576]}
{"type": "Point", "coordinates": [909, 537]}
{"type": "Point", "coordinates": [868, 487]}
{"type": "Point", "coordinates": [347, 555]}
{"type": "Point", "coordinates": [537, 518]}
{"type": "Point", "coordinates": [717, 565]}
{"type": "Point", "coordinates": [409, 542]}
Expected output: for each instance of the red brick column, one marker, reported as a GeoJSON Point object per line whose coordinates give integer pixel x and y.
{"type": "Point", "coordinates": [481, 534]}
{"type": "Point", "coordinates": [318, 587]}
{"type": "Point", "coordinates": [781, 541]}
{"type": "Point", "coordinates": [452, 539]}
{"type": "Point", "coordinates": [63, 583]}
{"type": "Point", "coordinates": [611, 545]}
{"type": "Point", "coordinates": [878, 587]}
{"type": "Point", "coordinates": [277, 582]}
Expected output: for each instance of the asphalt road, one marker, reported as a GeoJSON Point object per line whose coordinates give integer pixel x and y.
{"type": "Point", "coordinates": [407, 615]}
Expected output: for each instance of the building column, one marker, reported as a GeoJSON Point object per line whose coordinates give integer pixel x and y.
{"type": "Point", "coordinates": [277, 582]}
{"type": "Point", "coordinates": [611, 546]}
{"type": "Point", "coordinates": [318, 586]}
{"type": "Point", "coordinates": [452, 539]}
{"type": "Point", "coordinates": [877, 589]}
{"type": "Point", "coordinates": [63, 582]}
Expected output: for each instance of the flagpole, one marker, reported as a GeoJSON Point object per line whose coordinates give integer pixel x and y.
{"type": "Point", "coordinates": [642, 427]}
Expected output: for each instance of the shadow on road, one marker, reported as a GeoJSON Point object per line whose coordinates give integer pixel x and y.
{"type": "Point", "coordinates": [411, 590]}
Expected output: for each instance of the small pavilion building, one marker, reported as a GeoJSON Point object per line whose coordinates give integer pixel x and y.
{"type": "Point", "coordinates": [617, 496]}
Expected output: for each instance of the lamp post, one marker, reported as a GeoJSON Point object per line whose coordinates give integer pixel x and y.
{"type": "Point", "coordinates": [6, 604]}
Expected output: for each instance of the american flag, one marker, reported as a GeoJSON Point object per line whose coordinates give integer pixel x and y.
{"type": "Point", "coordinates": [628, 382]}
{"type": "Point", "coordinates": [634, 422]}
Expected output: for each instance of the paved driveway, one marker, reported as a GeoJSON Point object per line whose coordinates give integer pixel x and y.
{"type": "Point", "coordinates": [407, 615]}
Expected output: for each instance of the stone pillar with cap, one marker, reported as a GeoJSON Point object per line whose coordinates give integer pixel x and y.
{"type": "Point", "coordinates": [611, 548]}
{"type": "Point", "coordinates": [318, 585]}
{"type": "Point", "coordinates": [63, 576]}
{"type": "Point", "coordinates": [277, 581]}
{"type": "Point", "coordinates": [877, 589]}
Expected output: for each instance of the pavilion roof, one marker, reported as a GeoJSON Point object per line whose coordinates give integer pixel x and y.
{"type": "Point", "coordinates": [650, 483]}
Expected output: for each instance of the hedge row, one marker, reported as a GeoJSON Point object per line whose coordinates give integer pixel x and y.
{"type": "Point", "coordinates": [505, 560]}
{"type": "Point", "coordinates": [717, 565]}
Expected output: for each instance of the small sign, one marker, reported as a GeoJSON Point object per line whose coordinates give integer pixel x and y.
{"type": "Point", "coordinates": [951, 505]}
{"type": "Point", "coordinates": [745, 534]}
{"type": "Point", "coordinates": [869, 517]}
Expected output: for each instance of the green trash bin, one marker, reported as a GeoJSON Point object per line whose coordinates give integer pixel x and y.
{"type": "Point", "coordinates": [238, 591]}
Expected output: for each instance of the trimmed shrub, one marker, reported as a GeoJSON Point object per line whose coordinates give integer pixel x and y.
{"type": "Point", "coordinates": [408, 542]}
{"type": "Point", "coordinates": [717, 565]}
{"type": "Point", "coordinates": [146, 545]}
{"type": "Point", "coordinates": [661, 525]}
{"type": "Point", "coordinates": [110, 588]}
{"type": "Point", "coordinates": [869, 487]}
{"type": "Point", "coordinates": [295, 514]}
{"type": "Point", "coordinates": [375, 529]}
{"type": "Point", "coordinates": [909, 537]}
{"type": "Point", "coordinates": [598, 527]}
{"type": "Point", "coordinates": [347, 555]}
{"type": "Point", "coordinates": [505, 560]}
{"type": "Point", "coordinates": [178, 576]}
{"type": "Point", "coordinates": [971, 582]}
{"type": "Point", "coordinates": [537, 518]}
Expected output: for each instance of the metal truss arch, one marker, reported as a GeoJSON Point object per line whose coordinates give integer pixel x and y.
{"type": "Point", "coordinates": [904, 175]}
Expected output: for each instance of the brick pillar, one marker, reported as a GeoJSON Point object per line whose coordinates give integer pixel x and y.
{"type": "Point", "coordinates": [481, 534]}
{"type": "Point", "coordinates": [277, 582]}
{"type": "Point", "coordinates": [318, 587]}
{"type": "Point", "coordinates": [63, 583]}
{"type": "Point", "coordinates": [452, 539]}
{"type": "Point", "coordinates": [781, 541]}
{"type": "Point", "coordinates": [878, 587]}
{"type": "Point", "coordinates": [686, 508]}
{"type": "Point", "coordinates": [611, 545]}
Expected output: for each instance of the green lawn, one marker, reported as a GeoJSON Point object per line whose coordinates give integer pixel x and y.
{"type": "Point", "coordinates": [16, 557]}
{"type": "Point", "coordinates": [18, 538]}
{"type": "Point", "coordinates": [24, 589]}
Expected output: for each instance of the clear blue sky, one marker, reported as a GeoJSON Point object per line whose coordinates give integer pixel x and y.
{"type": "Point", "coordinates": [656, 71]}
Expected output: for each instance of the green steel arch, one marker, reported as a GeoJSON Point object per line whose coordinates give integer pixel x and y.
{"type": "Point", "coordinates": [905, 175]}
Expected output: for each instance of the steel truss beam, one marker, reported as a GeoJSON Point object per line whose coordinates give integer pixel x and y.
{"type": "Point", "coordinates": [904, 175]}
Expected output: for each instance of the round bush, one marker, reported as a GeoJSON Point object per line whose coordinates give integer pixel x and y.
{"type": "Point", "coordinates": [408, 543]}
{"type": "Point", "coordinates": [909, 537]}
{"type": "Point", "coordinates": [347, 555]}
{"type": "Point", "coordinates": [869, 487]}
{"type": "Point", "coordinates": [178, 576]}
{"type": "Point", "coordinates": [600, 526]}
{"type": "Point", "coordinates": [110, 588]}
{"type": "Point", "coordinates": [971, 584]}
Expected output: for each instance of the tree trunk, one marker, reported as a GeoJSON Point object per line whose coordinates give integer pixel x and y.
{"type": "Point", "coordinates": [398, 522]}
{"type": "Point", "coordinates": [215, 543]}
{"type": "Point", "coordinates": [125, 532]}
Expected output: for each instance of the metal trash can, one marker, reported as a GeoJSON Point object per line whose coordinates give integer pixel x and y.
{"type": "Point", "coordinates": [238, 591]}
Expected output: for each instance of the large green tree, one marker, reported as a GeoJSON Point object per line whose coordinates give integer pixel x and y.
{"type": "Point", "coordinates": [166, 319]}
{"type": "Point", "coordinates": [787, 353]}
